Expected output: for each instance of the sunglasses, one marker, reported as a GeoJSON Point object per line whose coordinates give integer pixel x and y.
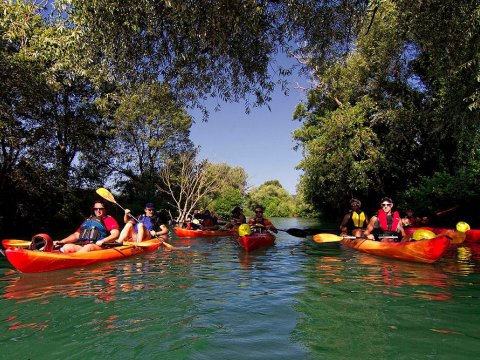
{"type": "Point", "coordinates": [386, 204]}
{"type": "Point", "coordinates": [258, 212]}
{"type": "Point", "coordinates": [95, 209]}
{"type": "Point", "coordinates": [149, 209]}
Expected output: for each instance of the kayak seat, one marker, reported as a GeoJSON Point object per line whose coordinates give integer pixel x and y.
{"type": "Point", "coordinates": [41, 242]}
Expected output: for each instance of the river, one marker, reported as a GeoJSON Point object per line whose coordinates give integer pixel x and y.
{"type": "Point", "coordinates": [295, 300]}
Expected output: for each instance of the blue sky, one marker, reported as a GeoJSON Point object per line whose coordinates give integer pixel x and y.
{"type": "Point", "coordinates": [260, 142]}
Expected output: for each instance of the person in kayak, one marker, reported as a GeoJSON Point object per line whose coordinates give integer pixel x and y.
{"type": "Point", "coordinates": [149, 226]}
{"type": "Point", "coordinates": [236, 219]}
{"type": "Point", "coordinates": [259, 222]}
{"type": "Point", "coordinates": [354, 220]}
{"type": "Point", "coordinates": [209, 222]}
{"type": "Point", "coordinates": [98, 229]}
{"type": "Point", "coordinates": [385, 223]}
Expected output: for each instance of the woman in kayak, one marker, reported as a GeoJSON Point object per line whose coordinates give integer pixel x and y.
{"type": "Point", "coordinates": [259, 222]}
{"type": "Point", "coordinates": [354, 220]}
{"type": "Point", "coordinates": [149, 226]}
{"type": "Point", "coordinates": [98, 229]}
{"type": "Point", "coordinates": [385, 223]}
{"type": "Point", "coordinates": [236, 219]}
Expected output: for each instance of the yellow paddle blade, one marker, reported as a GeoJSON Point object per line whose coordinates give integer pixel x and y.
{"type": "Point", "coordinates": [16, 243]}
{"type": "Point", "coordinates": [244, 230]}
{"type": "Point", "coordinates": [325, 238]}
{"type": "Point", "coordinates": [107, 195]}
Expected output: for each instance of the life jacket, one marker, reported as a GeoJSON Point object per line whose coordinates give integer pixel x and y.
{"type": "Point", "coordinates": [150, 222]}
{"type": "Point", "coordinates": [208, 221]}
{"type": "Point", "coordinates": [259, 221]}
{"type": "Point", "coordinates": [357, 219]}
{"type": "Point", "coordinates": [91, 230]}
{"type": "Point", "coordinates": [388, 223]}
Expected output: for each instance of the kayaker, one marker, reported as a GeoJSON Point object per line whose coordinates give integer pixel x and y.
{"type": "Point", "coordinates": [149, 226]}
{"type": "Point", "coordinates": [259, 222]}
{"type": "Point", "coordinates": [354, 220]}
{"type": "Point", "coordinates": [236, 219]}
{"type": "Point", "coordinates": [98, 229]}
{"type": "Point", "coordinates": [208, 221]}
{"type": "Point", "coordinates": [386, 223]}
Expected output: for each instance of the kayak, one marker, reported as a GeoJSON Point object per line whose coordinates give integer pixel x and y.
{"type": "Point", "coordinates": [181, 232]}
{"type": "Point", "coordinates": [472, 236]}
{"type": "Point", "coordinates": [424, 251]}
{"type": "Point", "coordinates": [33, 261]}
{"type": "Point", "coordinates": [256, 241]}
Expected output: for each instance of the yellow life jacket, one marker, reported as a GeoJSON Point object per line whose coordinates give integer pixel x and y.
{"type": "Point", "coordinates": [358, 219]}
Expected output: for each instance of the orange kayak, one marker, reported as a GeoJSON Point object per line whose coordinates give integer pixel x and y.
{"type": "Point", "coordinates": [33, 261]}
{"type": "Point", "coordinates": [256, 241]}
{"type": "Point", "coordinates": [424, 251]}
{"type": "Point", "coordinates": [471, 236]}
{"type": "Point", "coordinates": [181, 232]}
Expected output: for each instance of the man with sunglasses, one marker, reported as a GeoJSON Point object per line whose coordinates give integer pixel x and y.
{"type": "Point", "coordinates": [98, 229]}
{"type": "Point", "coordinates": [259, 222]}
{"type": "Point", "coordinates": [386, 223]}
{"type": "Point", "coordinates": [149, 225]}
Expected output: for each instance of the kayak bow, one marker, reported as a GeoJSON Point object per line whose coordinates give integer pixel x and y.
{"type": "Point", "coordinates": [33, 261]}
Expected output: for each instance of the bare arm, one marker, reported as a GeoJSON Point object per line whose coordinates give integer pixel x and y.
{"type": "Point", "coordinates": [369, 229]}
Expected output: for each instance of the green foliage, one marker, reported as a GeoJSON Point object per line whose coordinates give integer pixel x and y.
{"type": "Point", "coordinates": [226, 201]}
{"type": "Point", "coordinates": [443, 190]}
{"type": "Point", "coordinates": [276, 201]}
{"type": "Point", "coordinates": [396, 107]}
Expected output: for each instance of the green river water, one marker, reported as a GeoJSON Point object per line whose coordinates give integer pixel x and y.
{"type": "Point", "coordinates": [296, 300]}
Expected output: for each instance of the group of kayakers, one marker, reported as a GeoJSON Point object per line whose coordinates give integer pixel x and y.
{"type": "Point", "coordinates": [385, 225]}
{"type": "Point", "coordinates": [101, 228]}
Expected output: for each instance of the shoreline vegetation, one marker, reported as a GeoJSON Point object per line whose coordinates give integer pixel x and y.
{"type": "Point", "coordinates": [393, 107]}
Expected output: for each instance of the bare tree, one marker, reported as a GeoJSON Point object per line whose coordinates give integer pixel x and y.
{"type": "Point", "coordinates": [186, 182]}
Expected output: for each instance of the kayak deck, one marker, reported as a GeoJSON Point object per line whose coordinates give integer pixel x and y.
{"type": "Point", "coordinates": [33, 261]}
{"type": "Point", "coordinates": [424, 251]}
{"type": "Point", "coordinates": [256, 241]}
{"type": "Point", "coordinates": [181, 232]}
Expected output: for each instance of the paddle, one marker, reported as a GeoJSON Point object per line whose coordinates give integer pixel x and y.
{"type": "Point", "coordinates": [326, 238]}
{"type": "Point", "coordinates": [107, 195]}
{"type": "Point", "coordinates": [303, 233]}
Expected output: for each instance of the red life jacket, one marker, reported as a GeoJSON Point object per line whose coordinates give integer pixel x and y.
{"type": "Point", "coordinates": [382, 219]}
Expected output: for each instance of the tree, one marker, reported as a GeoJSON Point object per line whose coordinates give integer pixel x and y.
{"type": "Point", "coordinates": [186, 182]}
{"type": "Point", "coordinates": [150, 128]}
{"type": "Point", "coordinates": [274, 198]}
{"type": "Point", "coordinates": [382, 112]}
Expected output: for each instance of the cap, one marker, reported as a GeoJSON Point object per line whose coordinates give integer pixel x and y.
{"type": "Point", "coordinates": [149, 205]}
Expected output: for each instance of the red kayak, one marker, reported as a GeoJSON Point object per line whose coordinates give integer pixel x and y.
{"type": "Point", "coordinates": [181, 232]}
{"type": "Point", "coordinates": [424, 251]}
{"type": "Point", "coordinates": [256, 241]}
{"type": "Point", "coordinates": [472, 236]}
{"type": "Point", "coordinates": [33, 261]}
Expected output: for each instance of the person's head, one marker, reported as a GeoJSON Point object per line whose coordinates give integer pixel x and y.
{"type": "Point", "coordinates": [258, 211]}
{"type": "Point", "coordinates": [207, 212]}
{"type": "Point", "coordinates": [409, 212]}
{"type": "Point", "coordinates": [149, 210]}
{"type": "Point", "coordinates": [237, 210]}
{"type": "Point", "coordinates": [386, 204]}
{"type": "Point", "coordinates": [99, 208]}
{"type": "Point", "coordinates": [355, 203]}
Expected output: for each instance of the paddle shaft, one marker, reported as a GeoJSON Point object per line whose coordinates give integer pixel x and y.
{"type": "Point", "coordinates": [112, 199]}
